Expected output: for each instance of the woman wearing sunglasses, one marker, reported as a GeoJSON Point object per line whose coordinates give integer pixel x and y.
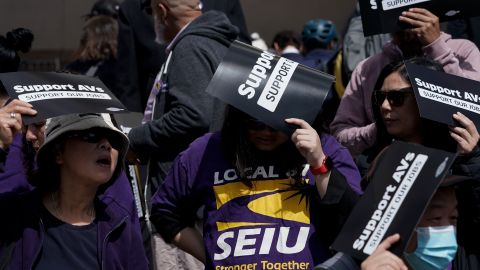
{"type": "Point", "coordinates": [269, 200]}
{"type": "Point", "coordinates": [66, 221]}
{"type": "Point", "coordinates": [398, 118]}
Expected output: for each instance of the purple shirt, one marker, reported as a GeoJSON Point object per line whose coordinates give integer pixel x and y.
{"type": "Point", "coordinates": [259, 227]}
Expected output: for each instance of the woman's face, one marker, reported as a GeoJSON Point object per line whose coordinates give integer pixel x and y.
{"type": "Point", "coordinates": [88, 156]}
{"type": "Point", "coordinates": [399, 109]}
{"type": "Point", "coordinates": [263, 137]}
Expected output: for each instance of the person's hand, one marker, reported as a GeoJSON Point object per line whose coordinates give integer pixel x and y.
{"type": "Point", "coordinates": [11, 120]}
{"type": "Point", "coordinates": [426, 25]}
{"type": "Point", "coordinates": [382, 259]}
{"type": "Point", "coordinates": [307, 141]}
{"type": "Point", "coordinates": [466, 135]}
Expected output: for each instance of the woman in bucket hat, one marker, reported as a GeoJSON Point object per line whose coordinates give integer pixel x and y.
{"type": "Point", "coordinates": [63, 223]}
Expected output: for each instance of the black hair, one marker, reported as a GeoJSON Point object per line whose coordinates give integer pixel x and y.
{"type": "Point", "coordinates": [287, 37]}
{"type": "Point", "coordinates": [243, 154]}
{"type": "Point", "coordinates": [436, 134]}
{"type": "Point", "coordinates": [19, 39]}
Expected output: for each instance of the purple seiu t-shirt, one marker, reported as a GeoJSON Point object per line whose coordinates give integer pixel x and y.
{"type": "Point", "coordinates": [265, 226]}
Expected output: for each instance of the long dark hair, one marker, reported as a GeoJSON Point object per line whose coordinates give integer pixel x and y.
{"type": "Point", "coordinates": [435, 134]}
{"type": "Point", "coordinates": [243, 154]}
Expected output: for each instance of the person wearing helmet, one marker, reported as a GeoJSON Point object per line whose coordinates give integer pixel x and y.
{"type": "Point", "coordinates": [319, 38]}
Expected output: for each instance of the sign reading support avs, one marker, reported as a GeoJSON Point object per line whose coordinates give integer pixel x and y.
{"type": "Point", "coordinates": [268, 87]}
{"type": "Point", "coordinates": [439, 95]}
{"type": "Point", "coordinates": [405, 177]}
{"type": "Point", "coordinates": [53, 94]}
{"type": "Point", "coordinates": [381, 16]}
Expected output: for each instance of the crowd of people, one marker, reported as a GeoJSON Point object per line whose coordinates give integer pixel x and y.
{"type": "Point", "coordinates": [222, 189]}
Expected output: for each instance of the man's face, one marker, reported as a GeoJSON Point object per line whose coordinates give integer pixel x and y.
{"type": "Point", "coordinates": [442, 211]}
{"type": "Point", "coordinates": [407, 42]}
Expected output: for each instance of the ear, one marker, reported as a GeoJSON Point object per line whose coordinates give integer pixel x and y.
{"type": "Point", "coordinates": [163, 11]}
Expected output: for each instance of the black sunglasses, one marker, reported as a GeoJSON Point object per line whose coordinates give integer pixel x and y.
{"type": "Point", "coordinates": [395, 97]}
{"type": "Point", "coordinates": [257, 125]}
{"type": "Point", "coordinates": [96, 135]}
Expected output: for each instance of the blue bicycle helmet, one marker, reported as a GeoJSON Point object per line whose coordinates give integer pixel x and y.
{"type": "Point", "coordinates": [318, 33]}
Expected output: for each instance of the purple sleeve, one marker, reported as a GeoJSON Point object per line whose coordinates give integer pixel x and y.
{"type": "Point", "coordinates": [342, 161]}
{"type": "Point", "coordinates": [13, 175]}
{"type": "Point", "coordinates": [173, 205]}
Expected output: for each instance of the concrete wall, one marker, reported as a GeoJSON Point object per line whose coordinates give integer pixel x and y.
{"type": "Point", "coordinates": [57, 23]}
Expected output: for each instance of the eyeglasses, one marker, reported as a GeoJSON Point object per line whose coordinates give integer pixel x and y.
{"type": "Point", "coordinates": [96, 135]}
{"type": "Point", "coordinates": [395, 97]}
{"type": "Point", "coordinates": [257, 125]}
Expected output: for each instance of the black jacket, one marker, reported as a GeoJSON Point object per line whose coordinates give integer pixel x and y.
{"type": "Point", "coordinates": [184, 111]}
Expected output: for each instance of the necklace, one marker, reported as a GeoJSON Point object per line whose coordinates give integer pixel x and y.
{"type": "Point", "coordinates": [55, 202]}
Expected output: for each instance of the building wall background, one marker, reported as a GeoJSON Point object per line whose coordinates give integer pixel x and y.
{"type": "Point", "coordinates": [57, 24]}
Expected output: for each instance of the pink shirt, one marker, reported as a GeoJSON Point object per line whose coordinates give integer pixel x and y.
{"type": "Point", "coordinates": [354, 125]}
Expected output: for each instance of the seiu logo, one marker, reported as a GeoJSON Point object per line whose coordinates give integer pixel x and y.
{"type": "Point", "coordinates": [373, 4]}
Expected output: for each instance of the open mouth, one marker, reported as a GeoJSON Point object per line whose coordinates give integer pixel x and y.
{"type": "Point", "coordinates": [104, 161]}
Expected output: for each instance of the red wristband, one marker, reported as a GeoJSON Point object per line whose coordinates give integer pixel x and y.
{"type": "Point", "coordinates": [324, 168]}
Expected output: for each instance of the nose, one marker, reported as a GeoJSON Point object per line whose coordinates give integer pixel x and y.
{"type": "Point", "coordinates": [105, 144]}
{"type": "Point", "coordinates": [30, 135]}
{"type": "Point", "coordinates": [386, 106]}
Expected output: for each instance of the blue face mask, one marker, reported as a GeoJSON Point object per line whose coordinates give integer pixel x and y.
{"type": "Point", "coordinates": [436, 248]}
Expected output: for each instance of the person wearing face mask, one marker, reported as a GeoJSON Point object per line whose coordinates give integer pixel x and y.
{"type": "Point", "coordinates": [397, 118]}
{"type": "Point", "coordinates": [354, 125]}
{"type": "Point", "coordinates": [433, 245]}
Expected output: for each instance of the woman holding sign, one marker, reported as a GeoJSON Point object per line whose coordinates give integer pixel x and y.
{"type": "Point", "coordinates": [398, 118]}
{"type": "Point", "coordinates": [397, 115]}
{"type": "Point", "coordinates": [269, 200]}
{"type": "Point", "coordinates": [67, 221]}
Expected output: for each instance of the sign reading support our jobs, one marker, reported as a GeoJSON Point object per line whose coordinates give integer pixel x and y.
{"type": "Point", "coordinates": [381, 16]}
{"type": "Point", "coordinates": [439, 95]}
{"type": "Point", "coordinates": [268, 87]}
{"type": "Point", "coordinates": [405, 177]}
{"type": "Point", "coordinates": [53, 94]}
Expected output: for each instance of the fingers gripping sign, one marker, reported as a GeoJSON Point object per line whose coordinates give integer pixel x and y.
{"type": "Point", "coordinates": [425, 25]}
{"type": "Point", "coordinates": [381, 258]}
{"type": "Point", "coordinates": [307, 141]}
{"type": "Point", "coordinates": [11, 120]}
{"type": "Point", "coordinates": [466, 135]}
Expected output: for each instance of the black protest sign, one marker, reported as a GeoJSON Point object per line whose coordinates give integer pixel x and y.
{"type": "Point", "coordinates": [53, 94]}
{"type": "Point", "coordinates": [268, 87]}
{"type": "Point", "coordinates": [404, 179]}
{"type": "Point", "coordinates": [381, 16]}
{"type": "Point", "coordinates": [127, 121]}
{"type": "Point", "coordinates": [440, 95]}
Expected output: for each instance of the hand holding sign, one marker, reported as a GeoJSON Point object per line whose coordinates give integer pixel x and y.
{"type": "Point", "coordinates": [466, 135]}
{"type": "Point", "coordinates": [384, 259]}
{"type": "Point", "coordinates": [11, 120]}
{"type": "Point", "coordinates": [307, 141]}
{"type": "Point", "coordinates": [426, 26]}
